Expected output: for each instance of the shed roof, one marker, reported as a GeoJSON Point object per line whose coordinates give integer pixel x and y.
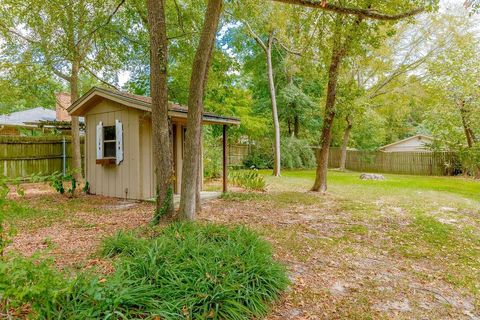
{"type": "Point", "coordinates": [417, 136]}
{"type": "Point", "coordinates": [94, 95]}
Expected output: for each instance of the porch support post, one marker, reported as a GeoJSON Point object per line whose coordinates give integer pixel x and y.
{"type": "Point", "coordinates": [225, 158]}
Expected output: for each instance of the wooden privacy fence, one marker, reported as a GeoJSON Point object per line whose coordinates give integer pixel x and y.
{"type": "Point", "coordinates": [25, 156]}
{"type": "Point", "coordinates": [415, 163]}
{"type": "Point", "coordinates": [237, 153]}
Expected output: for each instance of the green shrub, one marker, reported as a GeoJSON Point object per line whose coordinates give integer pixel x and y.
{"type": "Point", "coordinates": [188, 271]}
{"type": "Point", "coordinates": [248, 179]}
{"type": "Point", "coordinates": [470, 159]}
{"type": "Point", "coordinates": [295, 154]}
{"type": "Point", "coordinates": [212, 157]}
{"type": "Point", "coordinates": [30, 281]}
{"type": "Point", "coordinates": [8, 208]}
{"type": "Point", "coordinates": [260, 156]}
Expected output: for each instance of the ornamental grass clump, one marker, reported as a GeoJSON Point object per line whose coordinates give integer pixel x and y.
{"type": "Point", "coordinates": [200, 271]}
{"type": "Point", "coordinates": [248, 179]}
{"type": "Point", "coordinates": [187, 271]}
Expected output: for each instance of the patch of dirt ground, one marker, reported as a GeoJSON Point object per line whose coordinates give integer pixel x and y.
{"type": "Point", "coordinates": [72, 240]}
{"type": "Point", "coordinates": [340, 267]}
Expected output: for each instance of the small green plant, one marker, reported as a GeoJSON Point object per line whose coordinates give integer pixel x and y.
{"type": "Point", "coordinates": [86, 188]}
{"type": "Point", "coordinates": [159, 213]}
{"type": "Point", "coordinates": [248, 179]}
{"type": "Point", "coordinates": [29, 281]}
{"type": "Point", "coordinates": [5, 205]}
{"type": "Point", "coordinates": [57, 180]}
{"type": "Point", "coordinates": [73, 186]}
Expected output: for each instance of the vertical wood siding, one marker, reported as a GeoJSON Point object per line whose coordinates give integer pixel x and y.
{"type": "Point", "coordinates": [112, 180]}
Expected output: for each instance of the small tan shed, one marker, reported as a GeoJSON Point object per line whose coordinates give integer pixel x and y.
{"type": "Point", "coordinates": [118, 142]}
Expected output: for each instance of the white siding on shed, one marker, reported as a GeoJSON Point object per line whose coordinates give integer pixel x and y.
{"type": "Point", "coordinates": [417, 143]}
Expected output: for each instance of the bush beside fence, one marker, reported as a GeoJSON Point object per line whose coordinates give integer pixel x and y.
{"type": "Point", "coordinates": [26, 156]}
{"type": "Point", "coordinates": [414, 163]}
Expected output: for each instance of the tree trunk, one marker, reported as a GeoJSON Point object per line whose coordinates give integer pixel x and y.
{"type": "Point", "coordinates": [76, 152]}
{"type": "Point", "coordinates": [466, 125]}
{"type": "Point", "coordinates": [296, 126]}
{"type": "Point", "coordinates": [469, 134]}
{"type": "Point", "coordinates": [201, 64]}
{"type": "Point", "coordinates": [198, 198]}
{"type": "Point", "coordinates": [161, 133]}
{"type": "Point", "coordinates": [346, 138]}
{"type": "Point", "coordinates": [338, 53]}
{"type": "Point", "coordinates": [276, 124]}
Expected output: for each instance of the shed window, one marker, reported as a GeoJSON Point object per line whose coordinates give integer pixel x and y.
{"type": "Point", "coordinates": [109, 142]}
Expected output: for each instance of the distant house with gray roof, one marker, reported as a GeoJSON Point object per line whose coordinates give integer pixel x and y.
{"type": "Point", "coordinates": [25, 117]}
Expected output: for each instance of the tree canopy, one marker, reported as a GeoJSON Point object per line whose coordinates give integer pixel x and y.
{"type": "Point", "coordinates": [407, 67]}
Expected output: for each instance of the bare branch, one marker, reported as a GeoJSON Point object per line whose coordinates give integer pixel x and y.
{"type": "Point", "coordinates": [16, 33]}
{"type": "Point", "coordinates": [367, 13]}
{"type": "Point", "coordinates": [100, 79]}
{"type": "Point", "coordinates": [179, 16]}
{"type": "Point", "coordinates": [294, 52]}
{"type": "Point", "coordinates": [182, 35]}
{"type": "Point", "coordinates": [60, 74]}
{"type": "Point", "coordinates": [255, 36]}
{"type": "Point", "coordinates": [91, 33]}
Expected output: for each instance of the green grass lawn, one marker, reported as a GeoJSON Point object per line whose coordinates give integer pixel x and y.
{"type": "Point", "coordinates": [337, 180]}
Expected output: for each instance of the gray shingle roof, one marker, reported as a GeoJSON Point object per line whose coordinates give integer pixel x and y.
{"type": "Point", "coordinates": [30, 115]}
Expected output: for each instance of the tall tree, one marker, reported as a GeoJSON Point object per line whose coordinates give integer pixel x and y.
{"type": "Point", "coordinates": [387, 69]}
{"type": "Point", "coordinates": [345, 32]}
{"type": "Point", "coordinates": [161, 133]}
{"type": "Point", "coordinates": [267, 49]}
{"type": "Point", "coordinates": [270, 25]}
{"type": "Point", "coordinates": [341, 41]}
{"type": "Point", "coordinates": [453, 83]}
{"type": "Point", "coordinates": [296, 106]}
{"type": "Point", "coordinates": [66, 39]}
{"type": "Point", "coordinates": [198, 80]}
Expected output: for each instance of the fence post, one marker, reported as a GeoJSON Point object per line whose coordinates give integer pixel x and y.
{"type": "Point", "coordinates": [64, 158]}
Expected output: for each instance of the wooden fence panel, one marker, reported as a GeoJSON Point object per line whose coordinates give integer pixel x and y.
{"type": "Point", "coordinates": [414, 163]}
{"type": "Point", "coordinates": [237, 153]}
{"type": "Point", "coordinates": [25, 156]}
